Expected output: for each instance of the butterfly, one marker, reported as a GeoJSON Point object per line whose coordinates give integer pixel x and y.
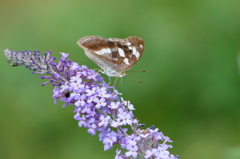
{"type": "Point", "coordinates": [114, 56]}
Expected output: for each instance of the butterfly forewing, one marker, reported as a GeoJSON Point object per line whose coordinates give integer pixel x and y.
{"type": "Point", "coordinates": [97, 49]}
{"type": "Point", "coordinates": [113, 53]}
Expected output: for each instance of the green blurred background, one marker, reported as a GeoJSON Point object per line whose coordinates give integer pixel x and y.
{"type": "Point", "coordinates": [191, 88]}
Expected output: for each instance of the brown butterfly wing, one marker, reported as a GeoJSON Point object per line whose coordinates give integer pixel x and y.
{"type": "Point", "coordinates": [133, 49]}
{"type": "Point", "coordinates": [116, 54]}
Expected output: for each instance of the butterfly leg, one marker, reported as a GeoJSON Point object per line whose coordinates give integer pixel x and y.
{"type": "Point", "coordinates": [115, 82]}
{"type": "Point", "coordinates": [109, 80]}
{"type": "Point", "coordinates": [97, 70]}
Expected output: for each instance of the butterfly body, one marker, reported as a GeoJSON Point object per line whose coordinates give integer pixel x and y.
{"type": "Point", "coordinates": [113, 55]}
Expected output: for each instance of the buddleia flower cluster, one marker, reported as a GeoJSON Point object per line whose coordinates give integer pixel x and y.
{"type": "Point", "coordinates": [97, 106]}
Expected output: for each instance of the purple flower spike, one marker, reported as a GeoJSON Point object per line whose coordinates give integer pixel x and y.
{"type": "Point", "coordinates": [97, 106]}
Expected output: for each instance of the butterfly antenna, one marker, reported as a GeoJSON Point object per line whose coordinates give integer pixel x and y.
{"type": "Point", "coordinates": [135, 78]}
{"type": "Point", "coordinates": [136, 71]}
